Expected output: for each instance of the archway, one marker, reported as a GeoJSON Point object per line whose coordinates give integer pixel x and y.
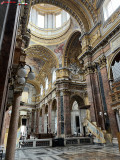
{"type": "Point", "coordinates": [114, 74]}
{"type": "Point", "coordinates": [78, 115]}
{"type": "Point", "coordinates": [115, 68]}
{"type": "Point", "coordinates": [72, 50]}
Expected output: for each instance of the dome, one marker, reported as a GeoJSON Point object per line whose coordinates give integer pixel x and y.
{"type": "Point", "coordinates": [48, 21]}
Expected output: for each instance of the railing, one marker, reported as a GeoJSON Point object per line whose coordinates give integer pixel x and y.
{"type": "Point", "coordinates": [98, 133]}
{"type": "Point", "coordinates": [77, 141]}
{"type": "Point", "coordinates": [35, 143]}
{"type": "Point", "coordinates": [50, 142]}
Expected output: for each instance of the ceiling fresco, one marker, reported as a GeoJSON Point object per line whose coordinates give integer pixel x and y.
{"type": "Point", "coordinates": [42, 60]}
{"type": "Point", "coordinates": [36, 63]}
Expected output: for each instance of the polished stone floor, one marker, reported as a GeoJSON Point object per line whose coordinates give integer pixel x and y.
{"type": "Point", "coordinates": [86, 152]}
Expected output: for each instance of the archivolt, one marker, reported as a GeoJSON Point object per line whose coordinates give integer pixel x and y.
{"type": "Point", "coordinates": [73, 9]}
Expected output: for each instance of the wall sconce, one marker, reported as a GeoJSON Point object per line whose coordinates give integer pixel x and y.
{"type": "Point", "coordinates": [22, 74]}
{"type": "Point", "coordinates": [105, 114]}
{"type": "Point", "coordinates": [100, 113]}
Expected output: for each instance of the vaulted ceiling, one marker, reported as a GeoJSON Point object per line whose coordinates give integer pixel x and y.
{"type": "Point", "coordinates": [42, 60]}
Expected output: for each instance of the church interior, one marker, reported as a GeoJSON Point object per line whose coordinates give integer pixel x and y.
{"type": "Point", "coordinates": [60, 79]}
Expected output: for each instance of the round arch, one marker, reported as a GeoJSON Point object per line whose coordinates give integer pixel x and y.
{"type": "Point", "coordinates": [35, 84]}
{"type": "Point", "coordinates": [78, 99]}
{"type": "Point", "coordinates": [110, 63]}
{"type": "Point", "coordinates": [46, 109]}
{"type": "Point", "coordinates": [70, 45]}
{"type": "Point", "coordinates": [54, 105]}
{"type": "Point", "coordinates": [42, 60]}
{"type": "Point", "coordinates": [43, 50]}
{"type": "Point", "coordinates": [40, 112]}
{"type": "Point", "coordinates": [79, 10]}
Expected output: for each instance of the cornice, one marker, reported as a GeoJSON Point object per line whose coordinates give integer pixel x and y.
{"type": "Point", "coordinates": [59, 38]}
{"type": "Point", "coordinates": [104, 40]}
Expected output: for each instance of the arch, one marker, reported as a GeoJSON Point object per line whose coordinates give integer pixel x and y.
{"type": "Point", "coordinates": [71, 45]}
{"type": "Point", "coordinates": [78, 99]}
{"type": "Point", "coordinates": [40, 112]}
{"type": "Point", "coordinates": [42, 60]}
{"type": "Point", "coordinates": [36, 85]}
{"type": "Point", "coordinates": [46, 109]}
{"type": "Point", "coordinates": [110, 63]}
{"type": "Point", "coordinates": [78, 10]}
{"type": "Point", "coordinates": [54, 105]}
{"type": "Point", "coordinates": [43, 50]}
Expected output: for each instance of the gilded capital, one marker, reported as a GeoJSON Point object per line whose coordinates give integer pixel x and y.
{"type": "Point", "coordinates": [66, 92]}
{"type": "Point", "coordinates": [102, 61]}
{"type": "Point", "coordinates": [89, 69]}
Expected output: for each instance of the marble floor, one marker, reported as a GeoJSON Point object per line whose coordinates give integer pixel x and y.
{"type": "Point", "coordinates": [84, 152]}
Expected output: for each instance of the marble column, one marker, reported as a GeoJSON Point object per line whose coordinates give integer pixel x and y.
{"type": "Point", "coordinates": [90, 91]}
{"type": "Point", "coordinates": [28, 125]}
{"type": "Point", "coordinates": [12, 135]}
{"type": "Point", "coordinates": [97, 93]}
{"type": "Point", "coordinates": [33, 122]}
{"type": "Point", "coordinates": [10, 17]}
{"type": "Point", "coordinates": [58, 114]}
{"type": "Point", "coordinates": [67, 112]}
{"type": "Point", "coordinates": [110, 115]}
{"type": "Point", "coordinates": [49, 116]}
{"type": "Point", "coordinates": [37, 120]}
{"type": "Point", "coordinates": [43, 116]}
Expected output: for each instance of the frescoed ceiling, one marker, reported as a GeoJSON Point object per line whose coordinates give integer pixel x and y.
{"type": "Point", "coordinates": [42, 60]}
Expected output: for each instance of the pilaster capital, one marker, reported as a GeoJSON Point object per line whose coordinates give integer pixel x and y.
{"type": "Point", "coordinates": [66, 92]}
{"type": "Point", "coordinates": [102, 61]}
{"type": "Point", "coordinates": [49, 101]}
{"type": "Point", "coordinates": [57, 93]}
{"type": "Point", "coordinates": [89, 68]}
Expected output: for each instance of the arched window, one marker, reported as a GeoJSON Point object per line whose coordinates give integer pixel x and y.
{"type": "Point", "coordinates": [25, 97]}
{"type": "Point", "coordinates": [41, 87]}
{"type": "Point", "coordinates": [41, 21]}
{"type": "Point", "coordinates": [116, 68]}
{"type": "Point", "coordinates": [109, 7]}
{"type": "Point", "coordinates": [58, 20]}
{"type": "Point", "coordinates": [46, 83]}
{"type": "Point", "coordinates": [53, 76]}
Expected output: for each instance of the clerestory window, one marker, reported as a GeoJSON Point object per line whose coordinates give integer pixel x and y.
{"type": "Point", "coordinates": [41, 21]}
{"type": "Point", "coordinates": [109, 7]}
{"type": "Point", "coordinates": [58, 20]}
{"type": "Point", "coordinates": [46, 83]}
{"type": "Point", "coordinates": [41, 91]}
